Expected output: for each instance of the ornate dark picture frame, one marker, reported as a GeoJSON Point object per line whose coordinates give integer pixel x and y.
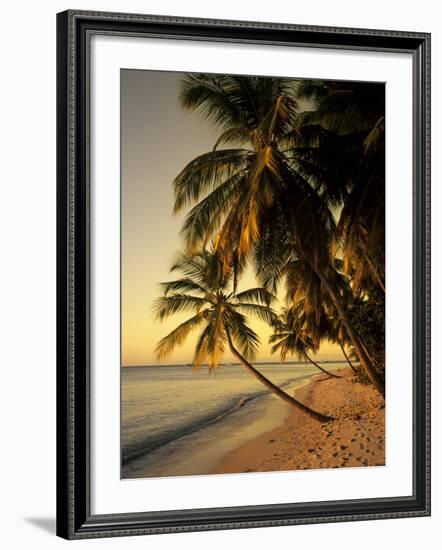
{"type": "Point", "coordinates": [74, 518]}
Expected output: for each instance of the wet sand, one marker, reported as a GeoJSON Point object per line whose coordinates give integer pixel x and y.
{"type": "Point", "coordinates": [355, 438]}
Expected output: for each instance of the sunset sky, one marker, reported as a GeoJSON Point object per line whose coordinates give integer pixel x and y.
{"type": "Point", "coordinates": [158, 139]}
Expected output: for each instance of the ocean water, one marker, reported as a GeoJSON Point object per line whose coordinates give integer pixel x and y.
{"type": "Point", "coordinates": [181, 421]}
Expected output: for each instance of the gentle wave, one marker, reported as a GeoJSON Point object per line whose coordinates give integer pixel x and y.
{"type": "Point", "coordinates": [133, 451]}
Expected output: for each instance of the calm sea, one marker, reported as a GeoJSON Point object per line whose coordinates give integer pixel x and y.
{"type": "Point", "coordinates": [180, 421]}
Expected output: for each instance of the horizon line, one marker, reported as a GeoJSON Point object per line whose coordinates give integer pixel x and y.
{"type": "Point", "coordinates": [141, 365]}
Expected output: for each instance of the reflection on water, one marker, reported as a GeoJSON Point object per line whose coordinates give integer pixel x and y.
{"type": "Point", "coordinates": [178, 421]}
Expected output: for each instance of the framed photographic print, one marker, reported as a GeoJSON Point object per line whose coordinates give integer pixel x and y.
{"type": "Point", "coordinates": [243, 274]}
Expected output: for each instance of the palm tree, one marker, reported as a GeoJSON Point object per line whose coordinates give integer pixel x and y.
{"type": "Point", "coordinates": [336, 333]}
{"type": "Point", "coordinates": [290, 338]}
{"type": "Point", "coordinates": [307, 317]}
{"type": "Point", "coordinates": [347, 358]}
{"type": "Point", "coordinates": [361, 229]}
{"type": "Point", "coordinates": [255, 196]}
{"type": "Point", "coordinates": [205, 289]}
{"type": "Point", "coordinates": [349, 116]}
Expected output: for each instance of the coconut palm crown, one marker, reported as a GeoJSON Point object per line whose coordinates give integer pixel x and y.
{"type": "Point", "coordinates": [206, 290]}
{"type": "Point", "coordinates": [291, 338]}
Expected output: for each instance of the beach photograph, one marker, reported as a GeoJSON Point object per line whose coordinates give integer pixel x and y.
{"type": "Point", "coordinates": [252, 274]}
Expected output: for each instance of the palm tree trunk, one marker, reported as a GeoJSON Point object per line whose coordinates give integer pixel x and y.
{"type": "Point", "coordinates": [347, 357]}
{"type": "Point", "coordinates": [320, 368]}
{"type": "Point", "coordinates": [366, 363]}
{"type": "Point", "coordinates": [374, 271]}
{"type": "Point", "coordinates": [365, 360]}
{"type": "Point", "coordinates": [275, 389]}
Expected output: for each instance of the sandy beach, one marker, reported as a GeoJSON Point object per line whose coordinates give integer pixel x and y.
{"type": "Point", "coordinates": [354, 438]}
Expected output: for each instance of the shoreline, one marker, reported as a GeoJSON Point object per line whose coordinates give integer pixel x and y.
{"type": "Point", "coordinates": [356, 437]}
{"type": "Point", "coordinates": [199, 451]}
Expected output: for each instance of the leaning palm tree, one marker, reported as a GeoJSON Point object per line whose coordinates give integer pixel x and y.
{"type": "Point", "coordinates": [337, 335]}
{"type": "Point", "coordinates": [290, 337]}
{"type": "Point", "coordinates": [254, 195]}
{"type": "Point", "coordinates": [206, 289]}
{"type": "Point", "coordinates": [347, 357]}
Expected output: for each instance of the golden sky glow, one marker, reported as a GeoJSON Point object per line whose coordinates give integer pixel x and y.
{"type": "Point", "coordinates": [158, 140]}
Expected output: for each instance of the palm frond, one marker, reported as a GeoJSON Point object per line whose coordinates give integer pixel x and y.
{"type": "Point", "coordinates": [175, 338]}
{"type": "Point", "coordinates": [201, 348]}
{"type": "Point", "coordinates": [255, 295]}
{"type": "Point", "coordinates": [204, 268]}
{"type": "Point", "coordinates": [237, 136]}
{"type": "Point", "coordinates": [243, 336]}
{"type": "Point", "coordinates": [211, 342]}
{"type": "Point", "coordinates": [257, 310]}
{"type": "Point", "coordinates": [165, 306]}
{"type": "Point", "coordinates": [207, 172]}
{"type": "Point", "coordinates": [183, 285]}
{"type": "Point", "coordinates": [375, 138]}
{"type": "Point", "coordinates": [214, 97]}
{"type": "Point", "coordinates": [204, 219]}
{"type": "Point", "coordinates": [312, 89]}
